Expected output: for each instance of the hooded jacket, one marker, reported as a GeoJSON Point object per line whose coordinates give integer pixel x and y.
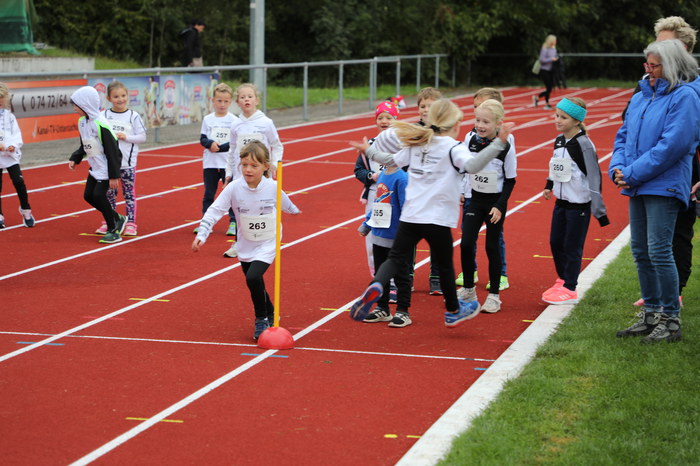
{"type": "Point", "coordinates": [258, 127]}
{"type": "Point", "coordinates": [11, 136]}
{"type": "Point", "coordinates": [97, 141]}
{"type": "Point", "coordinates": [656, 143]}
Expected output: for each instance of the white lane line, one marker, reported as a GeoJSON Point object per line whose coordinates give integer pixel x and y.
{"type": "Point", "coordinates": [138, 304]}
{"type": "Point", "coordinates": [143, 237]}
{"type": "Point", "coordinates": [244, 345]}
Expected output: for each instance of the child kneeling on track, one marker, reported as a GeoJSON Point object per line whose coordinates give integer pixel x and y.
{"type": "Point", "coordinates": [575, 179]}
{"type": "Point", "coordinates": [491, 188]}
{"type": "Point", "coordinates": [10, 155]}
{"type": "Point", "coordinates": [253, 198]}
{"type": "Point", "coordinates": [99, 144]}
{"type": "Point", "coordinates": [383, 221]}
{"type": "Point", "coordinates": [435, 162]}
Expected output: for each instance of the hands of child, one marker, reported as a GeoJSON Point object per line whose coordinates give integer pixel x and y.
{"type": "Point", "coordinates": [619, 178]}
{"type": "Point", "coordinates": [360, 146]}
{"type": "Point", "coordinates": [113, 183]}
{"type": "Point", "coordinates": [495, 215]}
{"type": "Point", "coordinates": [214, 147]}
{"type": "Point", "coordinates": [2, 148]}
{"type": "Point", "coordinates": [9, 149]}
{"type": "Point", "coordinates": [547, 193]}
{"type": "Point", "coordinates": [694, 190]}
{"type": "Point", "coordinates": [196, 244]}
{"type": "Point", "coordinates": [375, 176]}
{"type": "Point", "coordinates": [273, 171]}
{"type": "Point", "coordinates": [506, 129]}
{"type": "Point", "coordinates": [121, 136]}
{"type": "Point", "coordinates": [71, 165]}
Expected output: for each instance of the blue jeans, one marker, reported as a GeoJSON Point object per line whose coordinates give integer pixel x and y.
{"type": "Point", "coordinates": [652, 221]}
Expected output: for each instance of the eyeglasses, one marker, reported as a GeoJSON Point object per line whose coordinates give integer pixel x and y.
{"type": "Point", "coordinates": [649, 67]}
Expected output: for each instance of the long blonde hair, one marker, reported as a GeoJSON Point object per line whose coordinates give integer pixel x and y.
{"type": "Point", "coordinates": [549, 41]}
{"type": "Point", "coordinates": [442, 117]}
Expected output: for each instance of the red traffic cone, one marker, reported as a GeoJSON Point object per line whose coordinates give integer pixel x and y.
{"type": "Point", "coordinates": [276, 338]}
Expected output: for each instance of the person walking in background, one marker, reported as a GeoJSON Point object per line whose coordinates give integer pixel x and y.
{"type": "Point", "coordinates": [548, 56]}
{"type": "Point", "coordinates": [575, 180]}
{"type": "Point", "coordinates": [128, 126]}
{"type": "Point", "coordinates": [652, 163]}
{"type": "Point", "coordinates": [192, 47]}
{"type": "Point", "coordinates": [10, 155]}
{"type": "Point", "coordinates": [99, 144]}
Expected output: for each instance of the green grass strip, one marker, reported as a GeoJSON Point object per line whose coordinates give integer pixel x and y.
{"type": "Point", "coordinates": [589, 397]}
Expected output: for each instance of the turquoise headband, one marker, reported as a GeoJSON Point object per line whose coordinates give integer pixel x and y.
{"type": "Point", "coordinates": [574, 111]}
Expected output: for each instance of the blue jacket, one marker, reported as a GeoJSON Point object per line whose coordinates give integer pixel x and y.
{"type": "Point", "coordinates": [391, 188]}
{"type": "Point", "coordinates": [655, 145]}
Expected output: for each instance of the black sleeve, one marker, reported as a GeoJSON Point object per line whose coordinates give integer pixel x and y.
{"type": "Point", "coordinates": [502, 203]}
{"type": "Point", "coordinates": [225, 147]}
{"type": "Point", "coordinates": [205, 141]}
{"type": "Point", "coordinates": [189, 39]}
{"type": "Point", "coordinates": [112, 152]}
{"type": "Point", "coordinates": [549, 184]}
{"type": "Point", "coordinates": [362, 171]}
{"type": "Point", "coordinates": [77, 155]}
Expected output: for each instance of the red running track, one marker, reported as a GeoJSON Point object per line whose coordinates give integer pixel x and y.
{"type": "Point", "coordinates": [141, 352]}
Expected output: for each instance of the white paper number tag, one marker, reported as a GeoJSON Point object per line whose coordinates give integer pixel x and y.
{"type": "Point", "coordinates": [485, 182]}
{"type": "Point", "coordinates": [91, 147]}
{"type": "Point", "coordinates": [120, 127]}
{"type": "Point", "coordinates": [381, 215]}
{"type": "Point", "coordinates": [2, 137]}
{"type": "Point", "coordinates": [244, 139]}
{"type": "Point", "coordinates": [560, 169]}
{"type": "Point", "coordinates": [258, 227]}
{"type": "Point", "coordinates": [221, 135]}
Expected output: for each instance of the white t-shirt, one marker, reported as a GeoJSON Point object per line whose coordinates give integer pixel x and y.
{"type": "Point", "coordinates": [10, 135]}
{"type": "Point", "coordinates": [217, 129]}
{"type": "Point", "coordinates": [131, 124]}
{"type": "Point", "coordinates": [252, 208]}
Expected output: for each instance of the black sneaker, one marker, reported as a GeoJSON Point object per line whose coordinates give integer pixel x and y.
{"type": "Point", "coordinates": [644, 326]}
{"type": "Point", "coordinates": [378, 315]}
{"type": "Point", "coordinates": [668, 329]}
{"type": "Point", "coordinates": [111, 237]}
{"type": "Point", "coordinates": [435, 288]}
{"type": "Point", "coordinates": [401, 319]}
{"type": "Point", "coordinates": [120, 223]}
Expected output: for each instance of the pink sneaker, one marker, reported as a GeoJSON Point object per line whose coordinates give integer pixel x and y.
{"type": "Point", "coordinates": [130, 229]}
{"type": "Point", "coordinates": [561, 296]}
{"type": "Point", "coordinates": [558, 284]}
{"type": "Point", "coordinates": [102, 230]}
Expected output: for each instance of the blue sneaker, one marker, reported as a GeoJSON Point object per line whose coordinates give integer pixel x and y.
{"type": "Point", "coordinates": [260, 326]}
{"type": "Point", "coordinates": [362, 306]}
{"type": "Point", "coordinates": [467, 310]}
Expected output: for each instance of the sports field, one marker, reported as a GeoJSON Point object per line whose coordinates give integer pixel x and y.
{"type": "Point", "coordinates": [141, 352]}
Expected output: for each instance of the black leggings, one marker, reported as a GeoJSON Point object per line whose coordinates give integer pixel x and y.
{"type": "Point", "coordinates": [548, 79]}
{"type": "Point", "coordinates": [478, 213]}
{"type": "Point", "coordinates": [254, 272]}
{"type": "Point", "coordinates": [18, 180]}
{"type": "Point", "coordinates": [402, 278]}
{"type": "Point", "coordinates": [96, 195]}
{"type": "Point", "coordinates": [440, 240]}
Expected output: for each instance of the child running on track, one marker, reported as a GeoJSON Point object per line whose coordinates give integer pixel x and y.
{"type": "Point", "coordinates": [383, 221]}
{"type": "Point", "coordinates": [435, 162]}
{"type": "Point", "coordinates": [367, 171]}
{"type": "Point", "coordinates": [128, 126]}
{"type": "Point", "coordinates": [215, 137]}
{"type": "Point", "coordinates": [252, 125]}
{"type": "Point", "coordinates": [575, 179]}
{"type": "Point", "coordinates": [480, 96]}
{"type": "Point", "coordinates": [99, 144]}
{"type": "Point", "coordinates": [388, 142]}
{"type": "Point", "coordinates": [10, 155]}
{"type": "Point", "coordinates": [253, 198]}
{"type": "Point", "coordinates": [491, 188]}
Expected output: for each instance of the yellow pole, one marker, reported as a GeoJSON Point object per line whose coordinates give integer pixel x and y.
{"type": "Point", "coordinates": [278, 245]}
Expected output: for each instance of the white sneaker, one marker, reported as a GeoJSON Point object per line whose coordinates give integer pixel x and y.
{"type": "Point", "coordinates": [232, 252]}
{"type": "Point", "coordinates": [466, 294]}
{"type": "Point", "coordinates": [492, 304]}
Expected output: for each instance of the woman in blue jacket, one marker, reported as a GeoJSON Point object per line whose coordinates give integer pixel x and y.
{"type": "Point", "coordinates": [651, 163]}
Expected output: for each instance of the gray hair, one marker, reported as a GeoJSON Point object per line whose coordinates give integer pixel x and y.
{"type": "Point", "coordinates": [678, 64]}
